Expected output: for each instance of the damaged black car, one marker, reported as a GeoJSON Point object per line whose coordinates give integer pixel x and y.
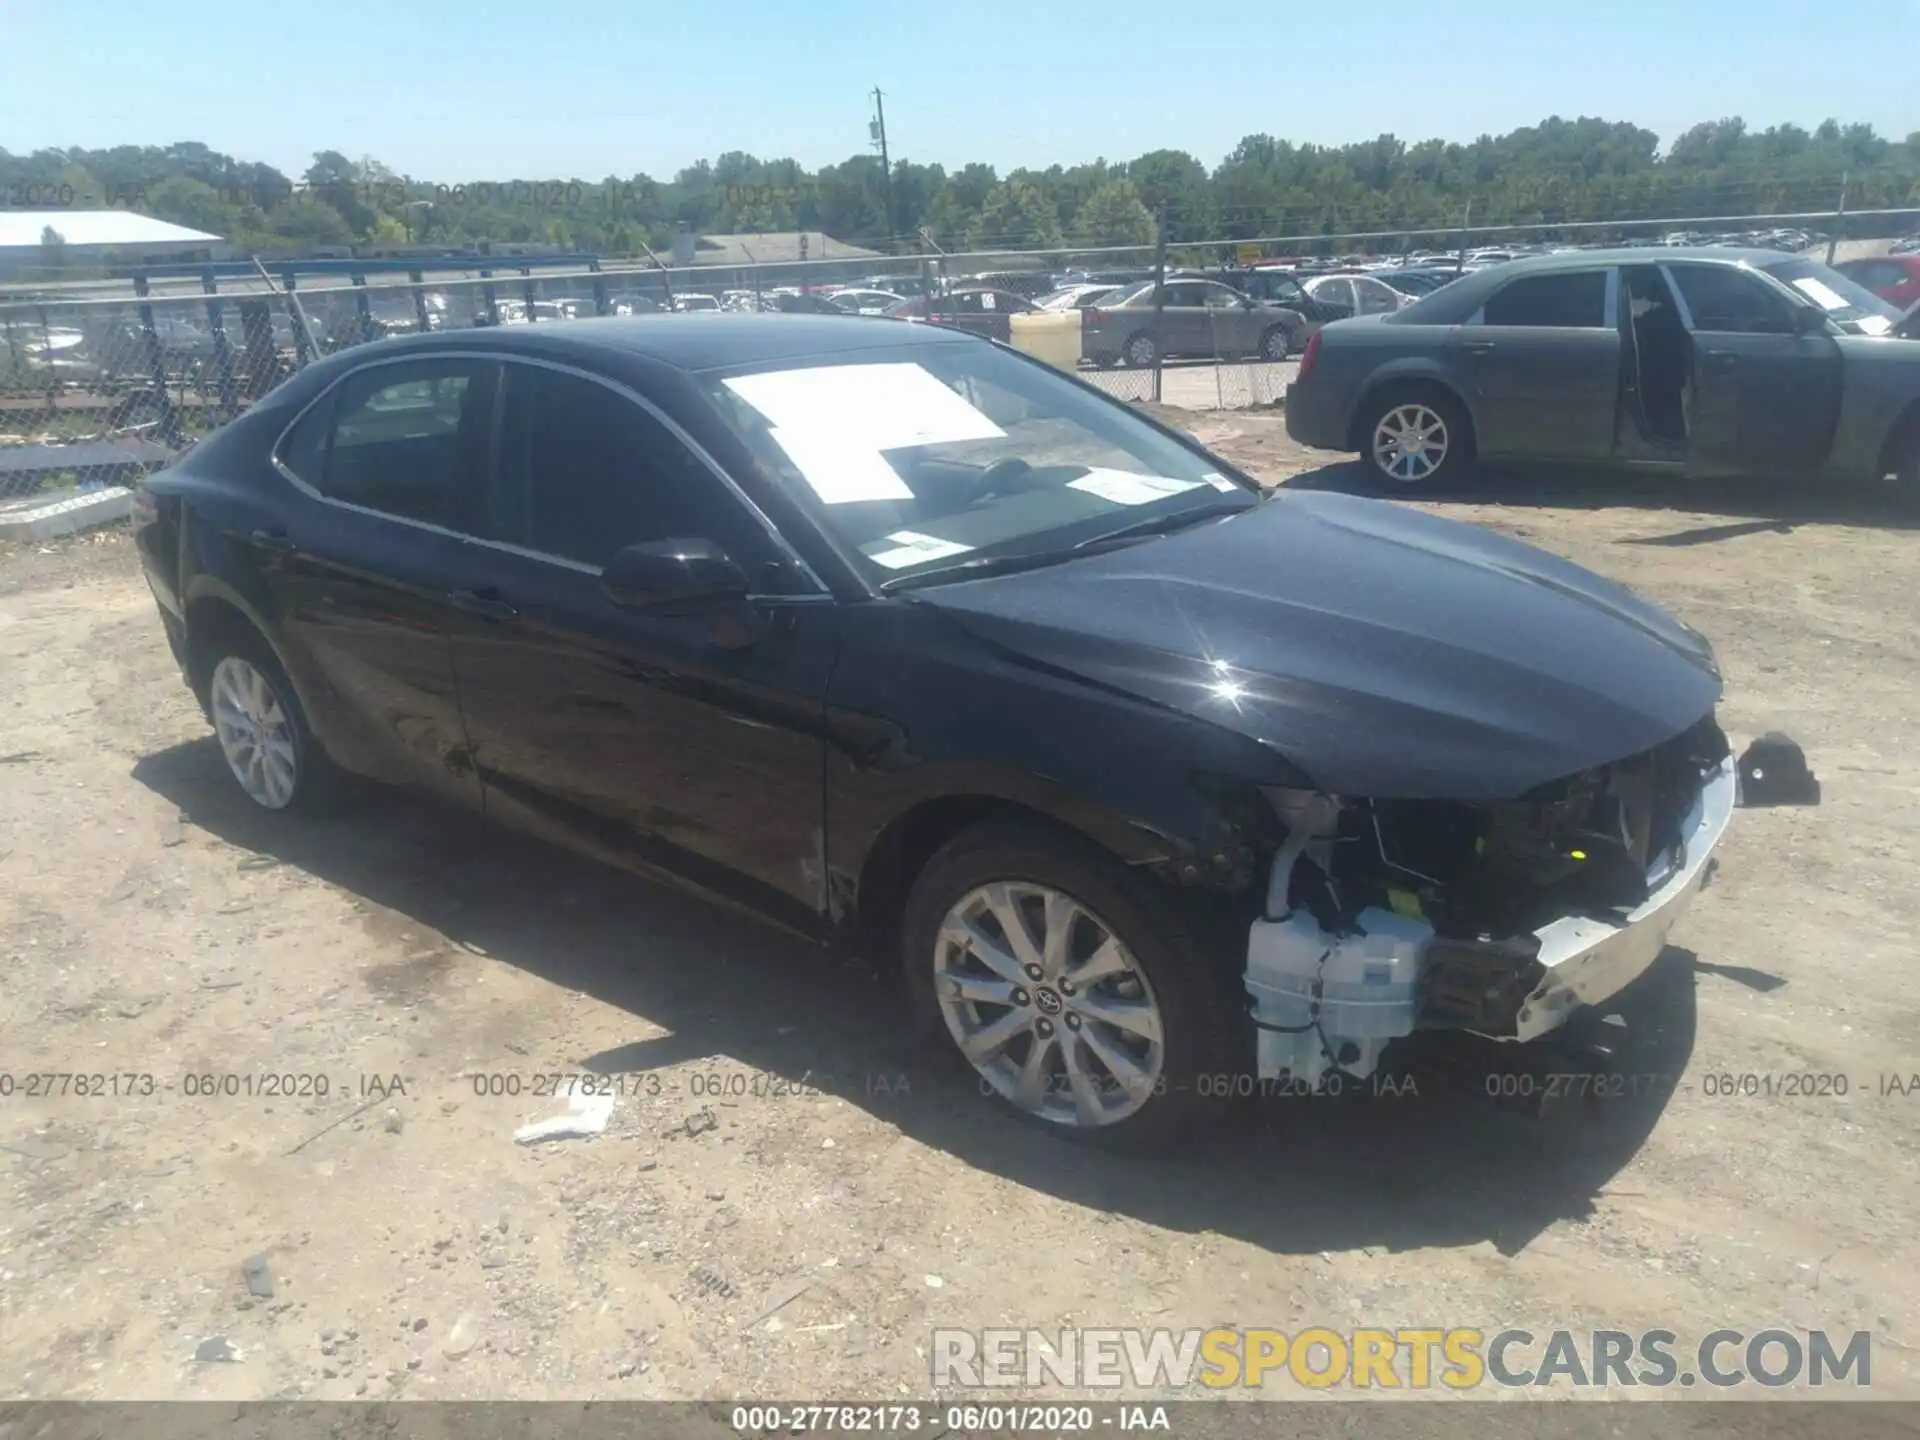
{"type": "Point", "coordinates": [1137, 774]}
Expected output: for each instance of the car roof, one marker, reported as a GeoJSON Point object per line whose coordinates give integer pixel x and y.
{"type": "Point", "coordinates": [692, 343]}
{"type": "Point", "coordinates": [1645, 255]}
{"type": "Point", "coordinates": [1464, 296]}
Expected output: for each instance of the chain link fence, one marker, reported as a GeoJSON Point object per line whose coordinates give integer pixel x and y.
{"type": "Point", "coordinates": [96, 392]}
{"type": "Point", "coordinates": [103, 382]}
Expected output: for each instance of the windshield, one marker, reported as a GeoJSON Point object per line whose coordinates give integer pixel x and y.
{"type": "Point", "coordinates": [966, 452]}
{"type": "Point", "coordinates": [1844, 300]}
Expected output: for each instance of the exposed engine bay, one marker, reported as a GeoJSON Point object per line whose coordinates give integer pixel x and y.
{"type": "Point", "coordinates": [1386, 917]}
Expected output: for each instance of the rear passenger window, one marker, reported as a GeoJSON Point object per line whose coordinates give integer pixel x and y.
{"type": "Point", "coordinates": [405, 437]}
{"type": "Point", "coordinates": [304, 450]}
{"type": "Point", "coordinates": [1572, 301]}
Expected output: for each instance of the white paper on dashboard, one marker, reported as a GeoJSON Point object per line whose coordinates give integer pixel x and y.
{"type": "Point", "coordinates": [1220, 482]}
{"type": "Point", "coordinates": [840, 471]}
{"type": "Point", "coordinates": [1824, 295]}
{"type": "Point", "coordinates": [884, 407]}
{"type": "Point", "coordinates": [913, 549]}
{"type": "Point", "coordinates": [1123, 487]}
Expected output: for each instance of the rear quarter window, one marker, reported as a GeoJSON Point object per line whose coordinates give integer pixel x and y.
{"type": "Point", "coordinates": [1577, 300]}
{"type": "Point", "coordinates": [303, 450]}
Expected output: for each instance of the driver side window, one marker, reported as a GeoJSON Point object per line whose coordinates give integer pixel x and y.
{"type": "Point", "coordinates": [584, 471]}
{"type": "Point", "coordinates": [1726, 300]}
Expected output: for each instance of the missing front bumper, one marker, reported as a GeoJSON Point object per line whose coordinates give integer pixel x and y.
{"type": "Point", "coordinates": [1586, 961]}
{"type": "Point", "coordinates": [1325, 1002]}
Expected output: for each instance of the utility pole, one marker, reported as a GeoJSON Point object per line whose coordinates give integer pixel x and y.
{"type": "Point", "coordinates": [1839, 217]}
{"type": "Point", "coordinates": [1159, 295]}
{"type": "Point", "coordinates": [877, 130]}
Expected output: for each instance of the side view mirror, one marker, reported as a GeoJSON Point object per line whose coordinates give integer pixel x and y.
{"type": "Point", "coordinates": [664, 573]}
{"type": "Point", "coordinates": [1808, 320]}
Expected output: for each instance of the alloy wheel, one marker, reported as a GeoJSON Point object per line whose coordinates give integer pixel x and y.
{"type": "Point", "coordinates": [1049, 1005]}
{"type": "Point", "coordinates": [255, 733]}
{"type": "Point", "coordinates": [1140, 351]}
{"type": "Point", "coordinates": [1410, 443]}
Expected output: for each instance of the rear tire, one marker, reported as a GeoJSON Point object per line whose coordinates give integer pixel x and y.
{"type": "Point", "coordinates": [1096, 1018]}
{"type": "Point", "coordinates": [1140, 351]}
{"type": "Point", "coordinates": [1906, 476]}
{"type": "Point", "coordinates": [1415, 440]}
{"type": "Point", "coordinates": [269, 750]}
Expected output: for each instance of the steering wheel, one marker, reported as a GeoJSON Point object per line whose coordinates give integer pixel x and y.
{"type": "Point", "coordinates": [997, 478]}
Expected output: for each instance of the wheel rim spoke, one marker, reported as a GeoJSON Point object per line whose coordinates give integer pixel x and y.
{"type": "Point", "coordinates": [990, 1039]}
{"type": "Point", "coordinates": [1086, 1098]}
{"type": "Point", "coordinates": [1127, 1073]}
{"type": "Point", "coordinates": [1132, 1016]}
{"type": "Point", "coordinates": [1013, 924]}
{"type": "Point", "coordinates": [1106, 960]}
{"type": "Point", "coordinates": [1031, 1090]}
{"type": "Point", "coordinates": [980, 989]}
{"type": "Point", "coordinates": [966, 935]}
{"type": "Point", "coordinates": [1056, 946]}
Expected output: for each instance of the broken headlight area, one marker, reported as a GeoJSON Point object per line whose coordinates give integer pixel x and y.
{"type": "Point", "coordinates": [1501, 918]}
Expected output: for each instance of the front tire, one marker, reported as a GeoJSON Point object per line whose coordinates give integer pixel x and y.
{"type": "Point", "coordinates": [1275, 344]}
{"type": "Point", "coordinates": [1415, 440]}
{"type": "Point", "coordinates": [1079, 1000]}
{"type": "Point", "coordinates": [261, 729]}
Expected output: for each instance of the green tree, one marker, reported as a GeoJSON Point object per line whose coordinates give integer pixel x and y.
{"type": "Point", "coordinates": [1115, 215]}
{"type": "Point", "coordinates": [1017, 215]}
{"type": "Point", "coordinates": [54, 256]}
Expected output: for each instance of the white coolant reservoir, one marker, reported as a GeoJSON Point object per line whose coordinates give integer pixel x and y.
{"type": "Point", "coordinates": [1325, 1002]}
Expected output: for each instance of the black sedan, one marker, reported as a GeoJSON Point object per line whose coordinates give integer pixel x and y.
{"type": "Point", "coordinates": [1697, 362]}
{"type": "Point", "coordinates": [918, 646]}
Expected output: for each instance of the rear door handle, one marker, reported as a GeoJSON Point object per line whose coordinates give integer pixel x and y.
{"type": "Point", "coordinates": [1722, 359]}
{"type": "Point", "coordinates": [486, 603]}
{"type": "Point", "coordinates": [275, 539]}
{"type": "Point", "coordinates": [1478, 347]}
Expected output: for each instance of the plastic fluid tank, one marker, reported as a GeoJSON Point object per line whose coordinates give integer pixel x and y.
{"type": "Point", "coordinates": [1367, 989]}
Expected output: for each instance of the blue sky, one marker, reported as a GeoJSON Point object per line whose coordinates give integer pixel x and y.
{"type": "Point", "coordinates": [490, 89]}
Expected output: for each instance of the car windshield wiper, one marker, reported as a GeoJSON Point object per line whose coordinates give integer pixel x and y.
{"type": "Point", "coordinates": [980, 565]}
{"type": "Point", "coordinates": [1162, 524]}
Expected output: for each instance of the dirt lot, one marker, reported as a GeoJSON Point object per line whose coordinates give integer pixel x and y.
{"type": "Point", "coordinates": [781, 1147]}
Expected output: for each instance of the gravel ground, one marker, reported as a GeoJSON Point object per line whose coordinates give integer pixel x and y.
{"type": "Point", "coordinates": [787, 1198]}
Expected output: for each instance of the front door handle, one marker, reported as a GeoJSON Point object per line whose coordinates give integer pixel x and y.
{"type": "Point", "coordinates": [1722, 359]}
{"type": "Point", "coordinates": [1478, 347]}
{"type": "Point", "coordinates": [485, 603]}
{"type": "Point", "coordinates": [275, 539]}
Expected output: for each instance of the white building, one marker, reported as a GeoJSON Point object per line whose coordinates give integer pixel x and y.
{"type": "Point", "coordinates": [92, 235]}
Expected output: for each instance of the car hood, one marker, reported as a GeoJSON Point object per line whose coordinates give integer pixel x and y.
{"type": "Point", "coordinates": [1381, 651]}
